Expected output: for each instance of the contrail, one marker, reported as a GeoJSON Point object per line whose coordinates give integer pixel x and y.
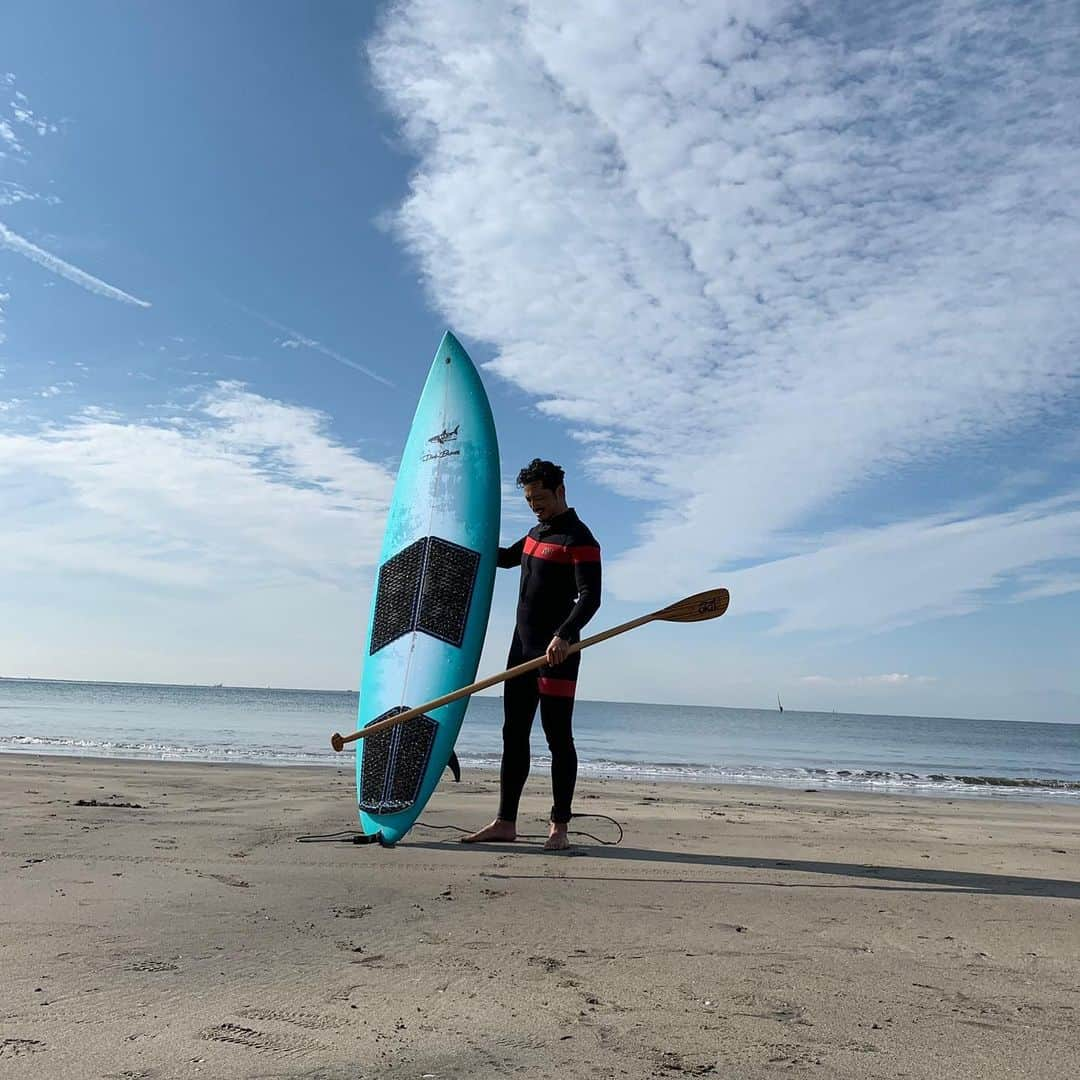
{"type": "Point", "coordinates": [296, 339]}
{"type": "Point", "coordinates": [14, 242]}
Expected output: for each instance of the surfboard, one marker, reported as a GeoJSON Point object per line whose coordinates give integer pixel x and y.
{"type": "Point", "coordinates": [432, 596]}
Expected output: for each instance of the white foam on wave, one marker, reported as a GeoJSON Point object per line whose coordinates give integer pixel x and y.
{"type": "Point", "coordinates": [895, 782]}
{"type": "Point", "coordinates": [155, 751]}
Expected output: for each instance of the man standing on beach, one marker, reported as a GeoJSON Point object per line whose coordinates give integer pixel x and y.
{"type": "Point", "coordinates": [559, 594]}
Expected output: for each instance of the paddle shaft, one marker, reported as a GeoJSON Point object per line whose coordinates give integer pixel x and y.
{"type": "Point", "coordinates": [492, 680]}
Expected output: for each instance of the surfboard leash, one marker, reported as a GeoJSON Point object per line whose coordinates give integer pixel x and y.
{"type": "Point", "coordinates": [345, 836]}
{"type": "Point", "coordinates": [352, 836]}
{"type": "Point", "coordinates": [539, 836]}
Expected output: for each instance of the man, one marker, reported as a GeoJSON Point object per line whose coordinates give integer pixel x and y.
{"type": "Point", "coordinates": [560, 592]}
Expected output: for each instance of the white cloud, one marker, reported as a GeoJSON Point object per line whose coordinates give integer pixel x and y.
{"type": "Point", "coordinates": [516, 516]}
{"type": "Point", "coordinates": [1042, 585]}
{"type": "Point", "coordinates": [19, 113]}
{"type": "Point", "coordinates": [9, 139]}
{"type": "Point", "coordinates": [895, 678]}
{"type": "Point", "coordinates": [12, 192]}
{"type": "Point", "coordinates": [56, 265]}
{"type": "Point", "coordinates": [242, 492]}
{"type": "Point", "coordinates": [758, 256]}
{"type": "Point", "coordinates": [926, 568]}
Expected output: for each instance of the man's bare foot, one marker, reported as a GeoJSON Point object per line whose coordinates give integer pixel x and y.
{"type": "Point", "coordinates": [498, 832]}
{"type": "Point", "coordinates": [557, 839]}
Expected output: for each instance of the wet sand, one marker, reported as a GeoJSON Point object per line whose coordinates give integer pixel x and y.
{"type": "Point", "coordinates": [736, 932]}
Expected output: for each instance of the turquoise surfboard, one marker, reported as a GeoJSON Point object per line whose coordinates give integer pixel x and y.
{"type": "Point", "coordinates": [432, 595]}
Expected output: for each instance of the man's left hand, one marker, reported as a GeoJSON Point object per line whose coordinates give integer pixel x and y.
{"type": "Point", "coordinates": [557, 651]}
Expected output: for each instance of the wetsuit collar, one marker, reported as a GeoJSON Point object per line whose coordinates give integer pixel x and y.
{"type": "Point", "coordinates": [559, 522]}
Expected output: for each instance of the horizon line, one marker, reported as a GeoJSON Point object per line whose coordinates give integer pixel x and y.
{"type": "Point", "coordinates": [596, 701]}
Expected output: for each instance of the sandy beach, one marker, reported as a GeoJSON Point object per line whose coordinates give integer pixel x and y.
{"type": "Point", "coordinates": [180, 930]}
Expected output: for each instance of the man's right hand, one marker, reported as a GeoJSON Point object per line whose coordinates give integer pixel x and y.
{"type": "Point", "coordinates": [557, 651]}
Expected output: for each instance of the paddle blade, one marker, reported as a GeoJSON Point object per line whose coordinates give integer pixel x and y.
{"type": "Point", "coordinates": [697, 608]}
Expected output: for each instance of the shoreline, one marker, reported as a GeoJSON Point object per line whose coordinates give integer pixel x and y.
{"type": "Point", "coordinates": [1052, 791]}
{"type": "Point", "coordinates": [177, 928]}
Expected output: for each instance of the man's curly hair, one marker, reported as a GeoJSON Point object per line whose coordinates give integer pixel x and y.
{"type": "Point", "coordinates": [545, 472]}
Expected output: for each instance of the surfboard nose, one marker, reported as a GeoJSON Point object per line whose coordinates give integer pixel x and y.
{"type": "Point", "coordinates": [450, 348]}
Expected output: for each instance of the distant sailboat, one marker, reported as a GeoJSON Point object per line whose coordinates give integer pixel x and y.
{"type": "Point", "coordinates": [778, 705]}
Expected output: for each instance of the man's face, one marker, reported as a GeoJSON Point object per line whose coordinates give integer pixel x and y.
{"type": "Point", "coordinates": [544, 502]}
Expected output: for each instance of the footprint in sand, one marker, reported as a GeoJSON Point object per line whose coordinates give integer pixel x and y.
{"type": "Point", "coordinates": [228, 879]}
{"type": "Point", "coordinates": [153, 965]}
{"type": "Point", "coordinates": [263, 1041]}
{"type": "Point", "coordinates": [310, 1021]}
{"type": "Point", "coordinates": [351, 912]}
{"type": "Point", "coordinates": [16, 1047]}
{"type": "Point", "coordinates": [548, 963]}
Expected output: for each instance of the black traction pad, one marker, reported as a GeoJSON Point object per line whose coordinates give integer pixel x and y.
{"type": "Point", "coordinates": [394, 761]}
{"type": "Point", "coordinates": [427, 586]}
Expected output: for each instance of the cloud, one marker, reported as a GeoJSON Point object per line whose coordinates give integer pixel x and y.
{"type": "Point", "coordinates": [1042, 585]}
{"type": "Point", "coordinates": [516, 517]}
{"type": "Point", "coordinates": [8, 138]}
{"type": "Point", "coordinates": [12, 193]}
{"type": "Point", "coordinates": [56, 389]}
{"type": "Point", "coordinates": [19, 113]}
{"type": "Point", "coordinates": [757, 257]}
{"type": "Point", "coordinates": [894, 678]}
{"type": "Point", "coordinates": [55, 265]}
{"type": "Point", "coordinates": [241, 491]}
{"type": "Point", "coordinates": [926, 568]}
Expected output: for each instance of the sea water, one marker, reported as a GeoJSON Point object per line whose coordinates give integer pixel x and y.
{"type": "Point", "coordinates": [827, 751]}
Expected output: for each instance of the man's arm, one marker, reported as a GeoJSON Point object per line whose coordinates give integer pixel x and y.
{"type": "Point", "coordinates": [587, 577]}
{"type": "Point", "coordinates": [511, 556]}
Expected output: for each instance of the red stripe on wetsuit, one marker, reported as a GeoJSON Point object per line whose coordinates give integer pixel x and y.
{"type": "Point", "coordinates": [556, 687]}
{"type": "Point", "coordinates": [561, 553]}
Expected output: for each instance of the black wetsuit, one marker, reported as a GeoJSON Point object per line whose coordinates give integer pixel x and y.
{"type": "Point", "coordinates": [560, 592]}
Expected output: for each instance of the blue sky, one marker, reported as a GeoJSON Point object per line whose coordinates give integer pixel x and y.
{"type": "Point", "coordinates": [791, 297]}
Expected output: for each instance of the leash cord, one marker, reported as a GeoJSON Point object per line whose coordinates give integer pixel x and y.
{"type": "Point", "coordinates": [351, 836]}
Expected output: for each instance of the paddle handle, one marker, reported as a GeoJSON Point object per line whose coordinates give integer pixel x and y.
{"type": "Point", "coordinates": [339, 741]}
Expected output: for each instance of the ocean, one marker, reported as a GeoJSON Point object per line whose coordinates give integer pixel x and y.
{"type": "Point", "coordinates": [826, 751]}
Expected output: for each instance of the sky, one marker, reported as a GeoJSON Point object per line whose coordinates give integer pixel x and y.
{"type": "Point", "coordinates": [788, 290]}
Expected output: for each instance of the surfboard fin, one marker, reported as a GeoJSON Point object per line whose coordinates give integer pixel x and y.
{"type": "Point", "coordinates": [454, 766]}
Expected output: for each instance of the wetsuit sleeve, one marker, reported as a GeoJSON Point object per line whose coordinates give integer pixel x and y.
{"type": "Point", "coordinates": [587, 578]}
{"type": "Point", "coordinates": [511, 556]}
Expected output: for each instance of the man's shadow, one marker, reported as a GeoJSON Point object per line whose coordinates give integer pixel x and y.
{"type": "Point", "coordinates": [859, 875]}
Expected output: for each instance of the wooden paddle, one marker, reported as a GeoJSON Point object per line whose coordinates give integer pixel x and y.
{"type": "Point", "coordinates": [696, 608]}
